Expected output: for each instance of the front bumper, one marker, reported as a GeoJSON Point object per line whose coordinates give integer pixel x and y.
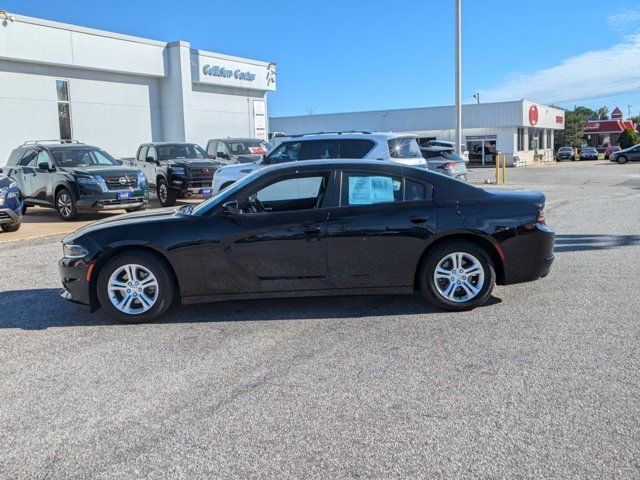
{"type": "Point", "coordinates": [9, 216]}
{"type": "Point", "coordinates": [75, 285]}
{"type": "Point", "coordinates": [528, 254]}
{"type": "Point", "coordinates": [110, 201]}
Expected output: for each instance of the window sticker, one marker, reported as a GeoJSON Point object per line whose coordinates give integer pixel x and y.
{"type": "Point", "coordinates": [369, 190]}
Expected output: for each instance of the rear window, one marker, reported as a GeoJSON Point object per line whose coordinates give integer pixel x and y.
{"type": "Point", "coordinates": [405, 147]}
{"type": "Point", "coordinates": [446, 154]}
{"type": "Point", "coordinates": [355, 148]}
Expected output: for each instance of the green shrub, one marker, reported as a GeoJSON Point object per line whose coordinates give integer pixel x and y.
{"type": "Point", "coordinates": [628, 138]}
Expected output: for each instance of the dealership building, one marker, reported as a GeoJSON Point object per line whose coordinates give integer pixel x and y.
{"type": "Point", "coordinates": [521, 130]}
{"type": "Point", "coordinates": [60, 81]}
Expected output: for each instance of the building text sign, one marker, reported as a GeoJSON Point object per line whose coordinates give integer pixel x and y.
{"type": "Point", "coordinates": [223, 71]}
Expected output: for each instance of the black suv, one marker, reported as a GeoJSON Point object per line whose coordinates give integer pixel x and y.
{"type": "Point", "coordinates": [75, 178]}
{"type": "Point", "coordinates": [237, 150]}
{"type": "Point", "coordinates": [175, 169]}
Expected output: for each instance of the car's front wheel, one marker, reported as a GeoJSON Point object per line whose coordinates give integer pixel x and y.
{"type": "Point", "coordinates": [166, 196]}
{"type": "Point", "coordinates": [10, 228]}
{"type": "Point", "coordinates": [135, 287]}
{"type": "Point", "coordinates": [66, 205]}
{"type": "Point", "coordinates": [457, 276]}
{"type": "Point", "coordinates": [621, 159]}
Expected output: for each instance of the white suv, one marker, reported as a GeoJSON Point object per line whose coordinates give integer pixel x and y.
{"type": "Point", "coordinates": [400, 148]}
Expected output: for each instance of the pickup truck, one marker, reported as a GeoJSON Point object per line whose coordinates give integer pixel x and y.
{"type": "Point", "coordinates": [175, 170]}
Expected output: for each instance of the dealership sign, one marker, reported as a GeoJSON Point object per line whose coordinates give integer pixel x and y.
{"type": "Point", "coordinates": [216, 71]}
{"type": "Point", "coordinates": [534, 115]}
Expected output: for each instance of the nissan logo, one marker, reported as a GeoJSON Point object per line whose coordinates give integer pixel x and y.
{"type": "Point", "coordinates": [123, 180]}
{"type": "Point", "coordinates": [205, 170]}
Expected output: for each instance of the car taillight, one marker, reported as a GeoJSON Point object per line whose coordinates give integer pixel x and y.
{"type": "Point", "coordinates": [449, 166]}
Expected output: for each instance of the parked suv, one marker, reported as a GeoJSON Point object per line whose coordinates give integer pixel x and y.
{"type": "Point", "coordinates": [175, 169]}
{"type": "Point", "coordinates": [446, 161]}
{"type": "Point", "coordinates": [10, 204]}
{"type": "Point", "coordinates": [237, 150]}
{"type": "Point", "coordinates": [399, 148]}
{"type": "Point", "coordinates": [74, 178]}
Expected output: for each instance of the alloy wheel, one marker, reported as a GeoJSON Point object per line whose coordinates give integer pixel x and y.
{"type": "Point", "coordinates": [64, 204]}
{"type": "Point", "coordinates": [162, 192]}
{"type": "Point", "coordinates": [459, 277]}
{"type": "Point", "coordinates": [133, 289]}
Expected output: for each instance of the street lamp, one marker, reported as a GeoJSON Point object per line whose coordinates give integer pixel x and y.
{"type": "Point", "coordinates": [459, 76]}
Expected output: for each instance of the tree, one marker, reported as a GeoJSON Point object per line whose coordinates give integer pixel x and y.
{"type": "Point", "coordinates": [573, 133]}
{"type": "Point", "coordinates": [628, 138]}
{"type": "Point", "coordinates": [603, 113]}
{"type": "Point", "coordinates": [585, 112]}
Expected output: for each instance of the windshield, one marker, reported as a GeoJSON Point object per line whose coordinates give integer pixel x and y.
{"type": "Point", "coordinates": [248, 147]}
{"type": "Point", "coordinates": [223, 194]}
{"type": "Point", "coordinates": [171, 151]}
{"type": "Point", "coordinates": [83, 157]}
{"type": "Point", "coordinates": [406, 147]}
{"type": "Point", "coordinates": [446, 154]}
{"type": "Point", "coordinates": [565, 149]}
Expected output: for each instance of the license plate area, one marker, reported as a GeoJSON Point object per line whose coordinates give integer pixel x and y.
{"type": "Point", "coordinates": [205, 191]}
{"type": "Point", "coordinates": [124, 195]}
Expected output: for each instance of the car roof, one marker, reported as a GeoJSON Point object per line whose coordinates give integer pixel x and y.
{"type": "Point", "coordinates": [237, 139]}
{"type": "Point", "coordinates": [170, 143]}
{"type": "Point", "coordinates": [338, 164]}
{"type": "Point", "coordinates": [348, 135]}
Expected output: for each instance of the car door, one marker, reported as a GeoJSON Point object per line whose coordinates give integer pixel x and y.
{"type": "Point", "coordinates": [26, 167]}
{"type": "Point", "coordinates": [379, 230]}
{"type": "Point", "coordinates": [278, 240]}
{"type": "Point", "coordinates": [150, 164]}
{"type": "Point", "coordinates": [42, 181]}
{"type": "Point", "coordinates": [634, 155]}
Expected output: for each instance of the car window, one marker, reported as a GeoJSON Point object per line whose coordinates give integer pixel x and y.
{"type": "Point", "coordinates": [319, 149]}
{"type": "Point", "coordinates": [44, 157]}
{"type": "Point", "coordinates": [285, 152]}
{"type": "Point", "coordinates": [248, 147]}
{"type": "Point", "coordinates": [211, 147]}
{"type": "Point", "coordinates": [151, 152]}
{"type": "Point", "coordinates": [221, 149]}
{"type": "Point", "coordinates": [28, 157]}
{"type": "Point", "coordinates": [414, 190]}
{"type": "Point", "coordinates": [298, 193]}
{"type": "Point", "coordinates": [355, 148]}
{"type": "Point", "coordinates": [369, 189]}
{"type": "Point", "coordinates": [142, 154]}
{"type": "Point", "coordinates": [171, 151]}
{"type": "Point", "coordinates": [82, 157]}
{"type": "Point", "coordinates": [404, 147]}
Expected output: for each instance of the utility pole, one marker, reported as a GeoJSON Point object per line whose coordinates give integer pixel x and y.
{"type": "Point", "coordinates": [477, 97]}
{"type": "Point", "coordinates": [629, 110]}
{"type": "Point", "coordinates": [459, 76]}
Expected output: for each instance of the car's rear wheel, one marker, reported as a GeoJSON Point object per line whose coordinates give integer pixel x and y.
{"type": "Point", "coordinates": [621, 159]}
{"type": "Point", "coordinates": [166, 196]}
{"type": "Point", "coordinates": [457, 276]}
{"type": "Point", "coordinates": [66, 205]}
{"type": "Point", "coordinates": [135, 287]}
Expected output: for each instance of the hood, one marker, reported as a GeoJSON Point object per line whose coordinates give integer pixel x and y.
{"type": "Point", "coordinates": [111, 170]}
{"type": "Point", "coordinates": [240, 169]}
{"type": "Point", "coordinates": [533, 197]}
{"type": "Point", "coordinates": [145, 216]}
{"type": "Point", "coordinates": [247, 158]}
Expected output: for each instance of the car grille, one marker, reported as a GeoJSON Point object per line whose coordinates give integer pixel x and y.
{"type": "Point", "coordinates": [4, 215]}
{"type": "Point", "coordinates": [114, 181]}
{"type": "Point", "coordinates": [201, 172]}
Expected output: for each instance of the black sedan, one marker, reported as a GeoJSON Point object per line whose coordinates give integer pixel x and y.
{"type": "Point", "coordinates": [313, 228]}
{"type": "Point", "coordinates": [588, 153]}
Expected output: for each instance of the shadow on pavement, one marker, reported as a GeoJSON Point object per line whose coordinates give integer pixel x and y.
{"type": "Point", "coordinates": [40, 309]}
{"type": "Point", "coordinates": [577, 243]}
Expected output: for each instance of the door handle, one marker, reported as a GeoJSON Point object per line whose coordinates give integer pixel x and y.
{"type": "Point", "coordinates": [311, 229]}
{"type": "Point", "coordinates": [420, 219]}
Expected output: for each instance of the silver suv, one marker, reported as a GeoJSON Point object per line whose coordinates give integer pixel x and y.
{"type": "Point", "coordinates": [393, 147]}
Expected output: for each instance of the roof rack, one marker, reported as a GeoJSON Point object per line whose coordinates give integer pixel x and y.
{"type": "Point", "coordinates": [37, 142]}
{"type": "Point", "coordinates": [364, 132]}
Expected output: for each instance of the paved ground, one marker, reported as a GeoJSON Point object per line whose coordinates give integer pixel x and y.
{"type": "Point", "coordinates": [543, 382]}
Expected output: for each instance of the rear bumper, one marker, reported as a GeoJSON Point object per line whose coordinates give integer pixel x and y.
{"type": "Point", "coordinates": [73, 274]}
{"type": "Point", "coordinates": [528, 255]}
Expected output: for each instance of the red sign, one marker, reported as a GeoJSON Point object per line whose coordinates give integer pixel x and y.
{"type": "Point", "coordinates": [559, 119]}
{"type": "Point", "coordinates": [533, 115]}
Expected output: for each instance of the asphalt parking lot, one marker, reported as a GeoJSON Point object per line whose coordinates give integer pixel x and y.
{"type": "Point", "coordinates": [544, 381]}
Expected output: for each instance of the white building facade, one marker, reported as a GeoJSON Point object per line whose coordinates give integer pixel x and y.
{"type": "Point", "coordinates": [522, 130]}
{"type": "Point", "coordinates": [60, 81]}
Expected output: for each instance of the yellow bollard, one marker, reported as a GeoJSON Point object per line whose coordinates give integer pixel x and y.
{"type": "Point", "coordinates": [504, 169]}
{"type": "Point", "coordinates": [497, 169]}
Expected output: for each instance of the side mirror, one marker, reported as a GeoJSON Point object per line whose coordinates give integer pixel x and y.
{"type": "Point", "coordinates": [118, 161]}
{"type": "Point", "coordinates": [265, 160]}
{"type": "Point", "coordinates": [45, 166]}
{"type": "Point", "coordinates": [231, 208]}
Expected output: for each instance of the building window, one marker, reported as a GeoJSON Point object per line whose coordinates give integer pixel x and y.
{"type": "Point", "coordinates": [520, 139]}
{"type": "Point", "coordinates": [535, 139]}
{"type": "Point", "coordinates": [64, 109]}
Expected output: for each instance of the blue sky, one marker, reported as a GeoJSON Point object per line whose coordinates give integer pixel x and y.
{"type": "Point", "coordinates": [347, 55]}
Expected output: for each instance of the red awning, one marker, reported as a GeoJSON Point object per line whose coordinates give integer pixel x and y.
{"type": "Point", "coordinates": [608, 126]}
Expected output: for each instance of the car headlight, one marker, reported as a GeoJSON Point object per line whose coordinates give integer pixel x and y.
{"type": "Point", "coordinates": [74, 251]}
{"type": "Point", "coordinates": [13, 184]}
{"type": "Point", "coordinates": [177, 170]}
{"type": "Point", "coordinates": [2, 196]}
{"type": "Point", "coordinates": [87, 180]}
{"type": "Point", "coordinates": [142, 179]}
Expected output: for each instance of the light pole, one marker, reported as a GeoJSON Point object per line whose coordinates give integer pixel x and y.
{"type": "Point", "coordinates": [459, 75]}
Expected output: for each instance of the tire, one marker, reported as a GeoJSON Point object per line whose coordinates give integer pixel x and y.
{"type": "Point", "coordinates": [137, 209]}
{"type": "Point", "coordinates": [435, 291]}
{"type": "Point", "coordinates": [166, 195]}
{"type": "Point", "coordinates": [621, 159]}
{"type": "Point", "coordinates": [158, 295]}
{"type": "Point", "coordinates": [11, 228]}
{"type": "Point", "coordinates": [66, 205]}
